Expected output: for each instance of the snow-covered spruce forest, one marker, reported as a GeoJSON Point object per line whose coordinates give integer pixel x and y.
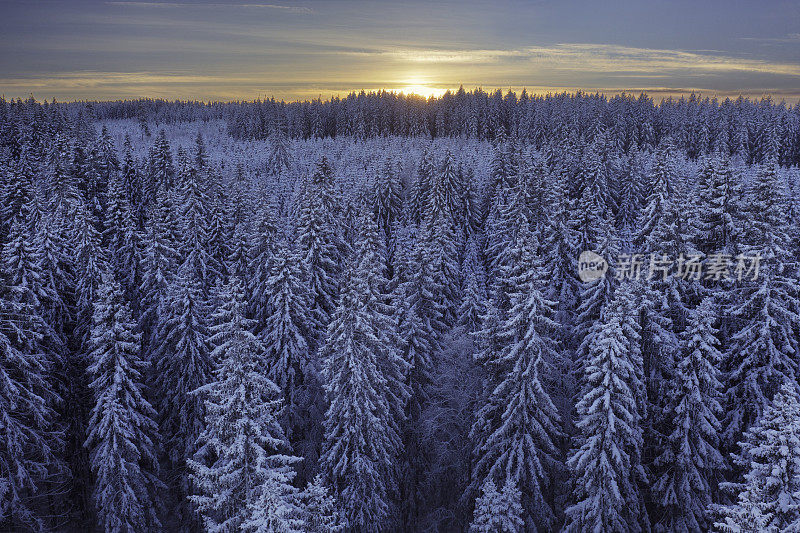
{"type": "Point", "coordinates": [365, 315]}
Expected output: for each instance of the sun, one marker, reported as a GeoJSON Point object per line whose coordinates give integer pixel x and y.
{"type": "Point", "coordinates": [420, 87]}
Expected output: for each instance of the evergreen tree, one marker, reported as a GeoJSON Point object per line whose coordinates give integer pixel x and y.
{"type": "Point", "coordinates": [522, 418]}
{"type": "Point", "coordinates": [364, 387]}
{"type": "Point", "coordinates": [290, 363]}
{"type": "Point", "coordinates": [387, 201]}
{"type": "Point", "coordinates": [279, 158]}
{"type": "Point", "coordinates": [90, 265]}
{"type": "Point", "coordinates": [559, 264]}
{"type": "Point", "coordinates": [17, 194]}
{"type": "Point", "coordinates": [596, 234]}
{"type": "Point", "coordinates": [123, 241]}
{"type": "Point", "coordinates": [473, 302]}
{"type": "Point", "coordinates": [183, 364]}
{"type": "Point", "coordinates": [261, 252]}
{"type": "Point", "coordinates": [194, 217]}
{"type": "Point", "coordinates": [200, 154]}
{"type": "Point", "coordinates": [319, 509]}
{"type": "Point", "coordinates": [763, 344]}
{"type": "Point", "coordinates": [769, 497]}
{"type": "Point", "coordinates": [607, 468]}
{"type": "Point", "coordinates": [717, 217]}
{"type": "Point", "coordinates": [121, 430]}
{"type": "Point", "coordinates": [317, 239]}
{"type": "Point", "coordinates": [160, 263]}
{"type": "Point", "coordinates": [242, 455]}
{"type": "Point", "coordinates": [162, 169]}
{"type": "Point", "coordinates": [284, 330]}
{"type": "Point", "coordinates": [131, 182]}
{"type": "Point", "coordinates": [498, 511]}
{"type": "Point", "coordinates": [274, 508]}
{"type": "Point", "coordinates": [30, 447]}
{"type": "Point", "coordinates": [421, 191]}
{"type": "Point", "coordinates": [420, 329]}
{"type": "Point", "coordinates": [691, 461]}
{"type": "Point", "coordinates": [219, 230]}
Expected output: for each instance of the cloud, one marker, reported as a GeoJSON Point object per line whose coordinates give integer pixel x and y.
{"type": "Point", "coordinates": [441, 56]}
{"type": "Point", "coordinates": [594, 58]}
{"type": "Point", "coordinates": [290, 9]}
{"type": "Point", "coordinates": [792, 38]}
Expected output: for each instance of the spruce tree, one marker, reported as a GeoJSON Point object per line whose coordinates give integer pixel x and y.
{"type": "Point", "coordinates": [607, 465]}
{"type": "Point", "coordinates": [317, 239]}
{"type": "Point", "coordinates": [717, 217]}
{"type": "Point", "coordinates": [290, 363]}
{"type": "Point", "coordinates": [242, 454]}
{"type": "Point", "coordinates": [364, 386]}
{"type": "Point", "coordinates": [194, 218]}
{"type": "Point", "coordinates": [319, 508]}
{"type": "Point", "coordinates": [30, 447]}
{"type": "Point", "coordinates": [387, 201]}
{"type": "Point", "coordinates": [90, 265]}
{"type": "Point", "coordinates": [691, 461]}
{"type": "Point", "coordinates": [162, 168]}
{"type": "Point", "coordinates": [523, 421]}
{"type": "Point", "coordinates": [763, 343]}
{"type": "Point", "coordinates": [121, 430]}
{"type": "Point", "coordinates": [183, 364]}
{"type": "Point", "coordinates": [263, 243]}
{"type": "Point", "coordinates": [498, 511]}
{"type": "Point", "coordinates": [421, 190]}
{"type": "Point", "coordinates": [160, 263]}
{"type": "Point", "coordinates": [769, 497]}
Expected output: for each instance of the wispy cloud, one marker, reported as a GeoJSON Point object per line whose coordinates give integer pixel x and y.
{"type": "Point", "coordinates": [596, 58]}
{"type": "Point", "coordinates": [791, 38]}
{"type": "Point", "coordinates": [290, 9]}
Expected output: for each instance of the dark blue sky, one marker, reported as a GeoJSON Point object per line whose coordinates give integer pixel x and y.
{"type": "Point", "coordinates": [243, 50]}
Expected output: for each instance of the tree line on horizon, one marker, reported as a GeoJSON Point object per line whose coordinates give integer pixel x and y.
{"type": "Point", "coordinates": [697, 125]}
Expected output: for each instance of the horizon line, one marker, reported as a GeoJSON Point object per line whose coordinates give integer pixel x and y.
{"type": "Point", "coordinates": [650, 93]}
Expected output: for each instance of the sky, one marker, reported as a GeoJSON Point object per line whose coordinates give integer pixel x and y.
{"type": "Point", "coordinates": [248, 49]}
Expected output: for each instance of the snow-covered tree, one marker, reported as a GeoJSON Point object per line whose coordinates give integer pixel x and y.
{"type": "Point", "coordinates": [420, 193]}
{"type": "Point", "coordinates": [319, 509]}
{"type": "Point", "coordinates": [522, 421]}
{"type": "Point", "coordinates": [763, 345]}
{"type": "Point", "coordinates": [279, 157]}
{"type": "Point", "coordinates": [194, 209]}
{"type": "Point", "coordinates": [317, 240]}
{"type": "Point", "coordinates": [263, 243]}
{"type": "Point", "coordinates": [31, 442]}
{"type": "Point", "coordinates": [498, 511]}
{"type": "Point", "coordinates": [273, 507]}
{"type": "Point", "coordinates": [387, 200]}
{"type": "Point", "coordinates": [160, 263]}
{"type": "Point", "coordinates": [607, 466]}
{"type": "Point", "coordinates": [691, 461]}
{"type": "Point", "coordinates": [183, 364]}
{"type": "Point", "coordinates": [123, 240]}
{"type": "Point", "coordinates": [717, 213]}
{"type": "Point", "coordinates": [364, 385]}
{"type": "Point", "coordinates": [90, 265]}
{"type": "Point", "coordinates": [243, 451]}
{"type": "Point", "coordinates": [122, 429]}
{"type": "Point", "coordinates": [285, 328]}
{"type": "Point", "coordinates": [769, 497]}
{"type": "Point", "coordinates": [290, 362]}
{"type": "Point", "coordinates": [162, 168]}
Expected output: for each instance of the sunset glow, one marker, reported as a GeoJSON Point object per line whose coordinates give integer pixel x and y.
{"type": "Point", "coordinates": [199, 49]}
